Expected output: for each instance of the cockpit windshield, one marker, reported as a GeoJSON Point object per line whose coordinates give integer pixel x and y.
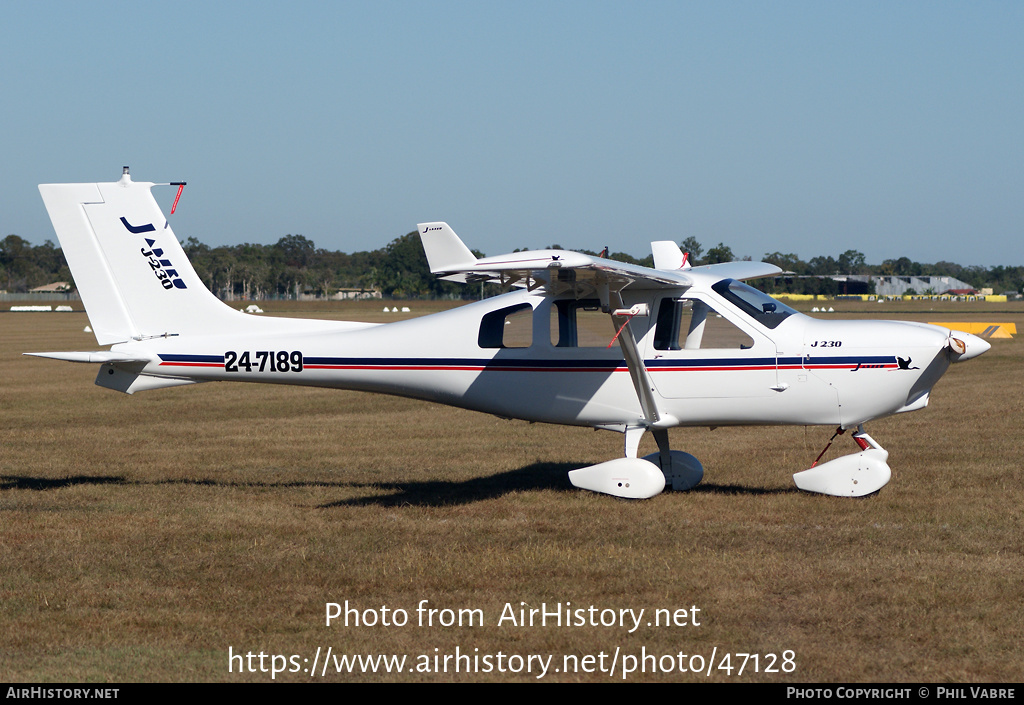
{"type": "Point", "coordinates": [757, 304]}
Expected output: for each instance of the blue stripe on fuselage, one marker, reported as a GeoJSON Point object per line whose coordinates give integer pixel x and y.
{"type": "Point", "coordinates": [526, 364]}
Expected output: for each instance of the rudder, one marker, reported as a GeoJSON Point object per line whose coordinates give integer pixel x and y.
{"type": "Point", "coordinates": [130, 270]}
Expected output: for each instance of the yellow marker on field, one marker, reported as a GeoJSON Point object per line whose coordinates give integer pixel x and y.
{"type": "Point", "coordinates": [985, 330]}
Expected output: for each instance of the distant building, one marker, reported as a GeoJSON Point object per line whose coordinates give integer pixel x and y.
{"type": "Point", "coordinates": [901, 285]}
{"type": "Point", "coordinates": [54, 288]}
{"type": "Point", "coordinates": [341, 295]}
{"type": "Point", "coordinates": [356, 294]}
{"type": "Point", "coordinates": [891, 285]}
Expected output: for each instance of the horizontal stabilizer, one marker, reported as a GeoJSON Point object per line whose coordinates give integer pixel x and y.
{"type": "Point", "coordinates": [101, 356]}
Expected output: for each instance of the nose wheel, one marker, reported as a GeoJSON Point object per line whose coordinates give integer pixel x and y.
{"type": "Point", "coordinates": [854, 475]}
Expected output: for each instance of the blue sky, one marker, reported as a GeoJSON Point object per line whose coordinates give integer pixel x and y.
{"type": "Point", "coordinates": [893, 128]}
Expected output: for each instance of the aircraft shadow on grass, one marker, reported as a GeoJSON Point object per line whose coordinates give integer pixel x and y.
{"type": "Point", "coordinates": [538, 476]}
{"type": "Point", "coordinates": [429, 493]}
{"type": "Point", "coordinates": [17, 482]}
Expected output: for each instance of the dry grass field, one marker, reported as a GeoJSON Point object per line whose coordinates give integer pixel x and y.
{"type": "Point", "coordinates": [143, 537]}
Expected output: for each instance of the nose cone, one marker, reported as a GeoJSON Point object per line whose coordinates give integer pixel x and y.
{"type": "Point", "coordinates": [964, 346]}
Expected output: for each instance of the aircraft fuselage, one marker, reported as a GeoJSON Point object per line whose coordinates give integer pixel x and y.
{"type": "Point", "coordinates": [803, 371]}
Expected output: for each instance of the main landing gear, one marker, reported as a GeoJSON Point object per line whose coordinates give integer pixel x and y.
{"type": "Point", "coordinates": [640, 478]}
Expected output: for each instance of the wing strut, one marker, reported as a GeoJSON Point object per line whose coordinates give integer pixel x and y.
{"type": "Point", "coordinates": [637, 370]}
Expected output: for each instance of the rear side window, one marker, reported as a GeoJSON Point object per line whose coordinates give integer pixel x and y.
{"type": "Point", "coordinates": [579, 323]}
{"type": "Point", "coordinates": [510, 327]}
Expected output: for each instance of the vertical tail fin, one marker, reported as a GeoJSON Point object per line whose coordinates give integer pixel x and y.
{"type": "Point", "coordinates": [667, 255]}
{"type": "Point", "coordinates": [131, 273]}
{"type": "Point", "coordinates": [444, 249]}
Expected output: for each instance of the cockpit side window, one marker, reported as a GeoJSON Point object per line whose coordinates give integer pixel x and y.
{"type": "Point", "coordinates": [667, 327]}
{"type": "Point", "coordinates": [510, 327]}
{"type": "Point", "coordinates": [690, 324]}
{"type": "Point", "coordinates": [756, 304]}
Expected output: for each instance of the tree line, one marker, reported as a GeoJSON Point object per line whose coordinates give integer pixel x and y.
{"type": "Point", "coordinates": [294, 265]}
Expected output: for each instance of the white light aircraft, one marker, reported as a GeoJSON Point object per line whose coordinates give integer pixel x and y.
{"type": "Point", "coordinates": [576, 340]}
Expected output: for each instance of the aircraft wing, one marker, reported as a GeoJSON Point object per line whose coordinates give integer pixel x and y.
{"type": "Point", "coordinates": [562, 270]}
{"type": "Point", "coordinates": [737, 270]}
{"type": "Point", "coordinates": [565, 266]}
{"type": "Point", "coordinates": [557, 270]}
